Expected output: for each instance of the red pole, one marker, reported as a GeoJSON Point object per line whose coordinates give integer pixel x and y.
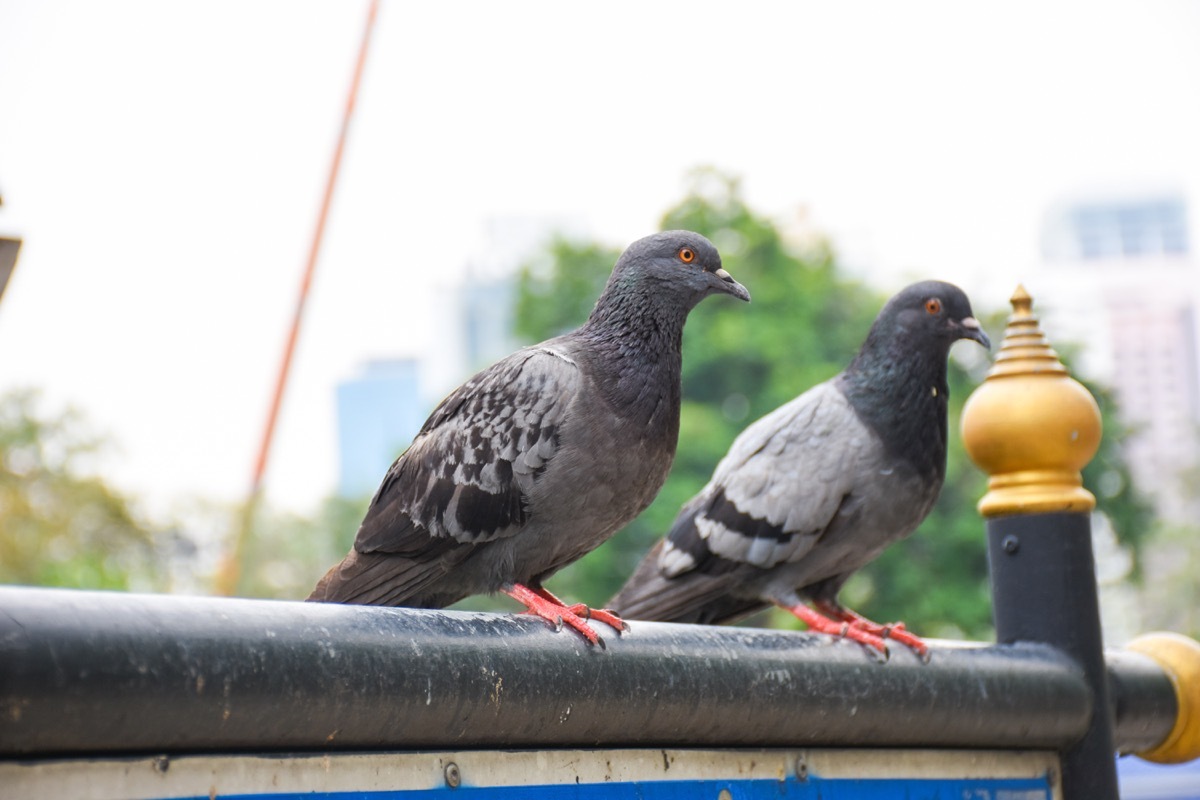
{"type": "Point", "coordinates": [230, 570]}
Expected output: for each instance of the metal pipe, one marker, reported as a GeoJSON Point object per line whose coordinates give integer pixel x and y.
{"type": "Point", "coordinates": [1145, 706]}
{"type": "Point", "coordinates": [95, 672]}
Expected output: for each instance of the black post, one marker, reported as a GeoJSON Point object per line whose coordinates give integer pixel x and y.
{"type": "Point", "coordinates": [1044, 590]}
{"type": "Point", "coordinates": [1033, 428]}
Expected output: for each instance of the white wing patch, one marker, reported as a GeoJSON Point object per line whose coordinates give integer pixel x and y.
{"type": "Point", "coordinates": [673, 561]}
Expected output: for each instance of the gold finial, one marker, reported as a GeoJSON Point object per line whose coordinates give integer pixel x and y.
{"type": "Point", "coordinates": [1030, 425]}
{"type": "Point", "coordinates": [1026, 350]}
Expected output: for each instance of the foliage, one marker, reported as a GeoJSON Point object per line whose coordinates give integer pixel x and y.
{"type": "Point", "coordinates": [555, 292]}
{"type": "Point", "coordinates": [1107, 476]}
{"type": "Point", "coordinates": [287, 552]}
{"type": "Point", "coordinates": [1171, 602]}
{"type": "Point", "coordinates": [62, 526]}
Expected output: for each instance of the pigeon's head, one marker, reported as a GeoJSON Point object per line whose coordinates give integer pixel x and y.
{"type": "Point", "coordinates": [678, 265]}
{"type": "Point", "coordinates": [933, 311]}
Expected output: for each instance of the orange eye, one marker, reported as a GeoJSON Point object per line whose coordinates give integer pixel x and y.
{"type": "Point", "coordinates": [933, 305]}
{"type": "Point", "coordinates": [687, 255]}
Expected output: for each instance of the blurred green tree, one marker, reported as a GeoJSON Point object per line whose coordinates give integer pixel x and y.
{"type": "Point", "coordinates": [1172, 599]}
{"type": "Point", "coordinates": [288, 552]}
{"type": "Point", "coordinates": [61, 525]}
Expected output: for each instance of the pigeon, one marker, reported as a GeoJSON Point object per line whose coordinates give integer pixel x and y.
{"type": "Point", "coordinates": [542, 456]}
{"type": "Point", "coordinates": [819, 487]}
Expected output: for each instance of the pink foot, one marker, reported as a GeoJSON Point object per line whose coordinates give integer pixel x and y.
{"type": "Point", "coordinates": [552, 611]}
{"type": "Point", "coordinates": [581, 610]}
{"type": "Point", "coordinates": [896, 631]}
{"type": "Point", "coordinates": [821, 624]}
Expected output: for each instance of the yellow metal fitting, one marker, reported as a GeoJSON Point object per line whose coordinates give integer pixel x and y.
{"type": "Point", "coordinates": [1031, 426]}
{"type": "Point", "coordinates": [1179, 658]}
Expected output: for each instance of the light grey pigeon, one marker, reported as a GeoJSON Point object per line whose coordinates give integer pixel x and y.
{"type": "Point", "coordinates": [819, 487]}
{"type": "Point", "coordinates": [542, 456]}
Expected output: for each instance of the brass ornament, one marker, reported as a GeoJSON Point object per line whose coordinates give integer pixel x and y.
{"type": "Point", "coordinates": [1031, 426]}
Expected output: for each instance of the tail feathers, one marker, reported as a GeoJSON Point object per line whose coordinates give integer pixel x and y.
{"type": "Point", "coordinates": [688, 597]}
{"type": "Point", "coordinates": [378, 579]}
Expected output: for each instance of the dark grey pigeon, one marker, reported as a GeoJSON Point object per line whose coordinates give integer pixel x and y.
{"type": "Point", "coordinates": [541, 457]}
{"type": "Point", "coordinates": [819, 487]}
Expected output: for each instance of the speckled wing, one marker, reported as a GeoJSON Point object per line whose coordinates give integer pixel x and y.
{"type": "Point", "coordinates": [777, 490]}
{"type": "Point", "coordinates": [464, 481]}
{"type": "Point", "coordinates": [467, 476]}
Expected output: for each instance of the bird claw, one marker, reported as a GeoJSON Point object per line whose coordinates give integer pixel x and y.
{"type": "Point", "coordinates": [895, 631]}
{"type": "Point", "coordinates": [580, 624]}
{"type": "Point", "coordinates": [899, 634]}
{"type": "Point", "coordinates": [875, 643]}
{"type": "Point", "coordinates": [843, 628]}
{"type": "Point", "coordinates": [541, 603]}
{"type": "Point", "coordinates": [609, 618]}
{"type": "Point", "coordinates": [567, 619]}
{"type": "Point", "coordinates": [910, 641]}
{"type": "Point", "coordinates": [880, 656]}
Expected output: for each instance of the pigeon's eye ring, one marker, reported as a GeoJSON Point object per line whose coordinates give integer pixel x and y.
{"type": "Point", "coordinates": [687, 255]}
{"type": "Point", "coordinates": [933, 305]}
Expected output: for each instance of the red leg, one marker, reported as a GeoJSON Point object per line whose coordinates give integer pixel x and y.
{"type": "Point", "coordinates": [896, 631]}
{"type": "Point", "coordinates": [551, 610]}
{"type": "Point", "coordinates": [820, 624]}
{"type": "Point", "coordinates": [579, 609]}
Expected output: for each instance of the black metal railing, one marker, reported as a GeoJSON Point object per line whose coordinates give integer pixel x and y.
{"type": "Point", "coordinates": [95, 672]}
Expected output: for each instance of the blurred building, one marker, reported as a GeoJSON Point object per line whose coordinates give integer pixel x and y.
{"type": "Point", "coordinates": [1118, 230]}
{"type": "Point", "coordinates": [485, 306]}
{"type": "Point", "coordinates": [1121, 277]}
{"type": "Point", "coordinates": [379, 411]}
{"type": "Point", "coordinates": [487, 299]}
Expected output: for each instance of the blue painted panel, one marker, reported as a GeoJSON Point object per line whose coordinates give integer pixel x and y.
{"type": "Point", "coordinates": [812, 789]}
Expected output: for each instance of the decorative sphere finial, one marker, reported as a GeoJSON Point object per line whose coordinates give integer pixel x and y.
{"type": "Point", "coordinates": [1030, 425]}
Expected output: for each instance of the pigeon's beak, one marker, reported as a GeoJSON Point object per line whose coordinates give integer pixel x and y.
{"type": "Point", "coordinates": [971, 329]}
{"type": "Point", "coordinates": [728, 285]}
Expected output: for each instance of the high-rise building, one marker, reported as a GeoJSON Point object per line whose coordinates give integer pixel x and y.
{"type": "Point", "coordinates": [486, 317]}
{"type": "Point", "coordinates": [1121, 278]}
{"type": "Point", "coordinates": [1152, 226]}
{"type": "Point", "coordinates": [379, 411]}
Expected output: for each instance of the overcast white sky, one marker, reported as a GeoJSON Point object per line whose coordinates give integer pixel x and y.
{"type": "Point", "coordinates": [164, 163]}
